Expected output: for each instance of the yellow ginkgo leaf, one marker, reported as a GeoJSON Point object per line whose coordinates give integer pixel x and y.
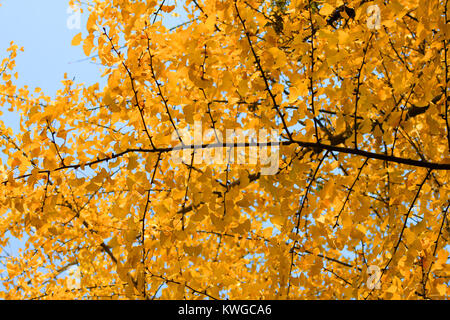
{"type": "Point", "coordinates": [76, 40]}
{"type": "Point", "coordinates": [326, 9]}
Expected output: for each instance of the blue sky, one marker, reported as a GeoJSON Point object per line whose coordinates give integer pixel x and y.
{"type": "Point", "coordinates": [41, 28]}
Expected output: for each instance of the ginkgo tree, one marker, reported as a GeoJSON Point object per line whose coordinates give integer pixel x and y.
{"type": "Point", "coordinates": [357, 207]}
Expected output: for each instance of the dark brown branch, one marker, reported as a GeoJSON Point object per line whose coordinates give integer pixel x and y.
{"type": "Point", "coordinates": [130, 75]}
{"type": "Point", "coordinates": [298, 214]}
{"type": "Point", "coordinates": [358, 86]}
{"type": "Point", "coordinates": [186, 192]}
{"type": "Point", "coordinates": [53, 140]}
{"type": "Point", "coordinates": [167, 280]}
{"type": "Point", "coordinates": [147, 202]}
{"type": "Point", "coordinates": [263, 74]}
{"type": "Point", "coordinates": [397, 244]}
{"type": "Point", "coordinates": [349, 192]}
{"type": "Point", "coordinates": [436, 244]}
{"type": "Point", "coordinates": [311, 80]}
{"type": "Point", "coordinates": [446, 79]}
{"type": "Point", "coordinates": [312, 145]}
{"type": "Point", "coordinates": [202, 11]}
{"type": "Point", "coordinates": [158, 85]}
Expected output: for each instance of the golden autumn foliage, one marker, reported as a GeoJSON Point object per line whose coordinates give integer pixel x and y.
{"type": "Point", "coordinates": [362, 187]}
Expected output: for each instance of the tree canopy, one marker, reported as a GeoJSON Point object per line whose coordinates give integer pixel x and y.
{"type": "Point", "coordinates": [356, 207]}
